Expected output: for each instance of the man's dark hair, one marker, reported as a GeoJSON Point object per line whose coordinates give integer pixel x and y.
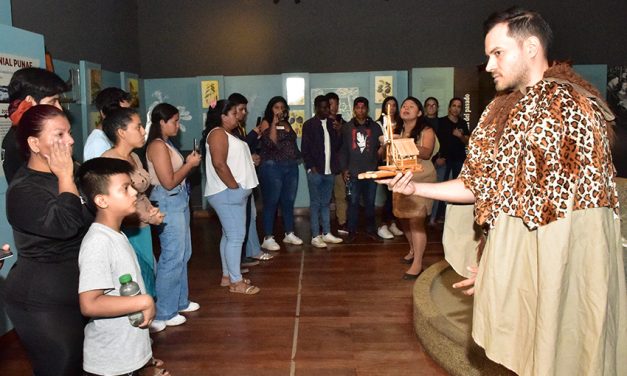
{"type": "Point", "coordinates": [237, 99]}
{"type": "Point", "coordinates": [109, 99]}
{"type": "Point", "coordinates": [36, 82]}
{"type": "Point", "coordinates": [363, 100]}
{"type": "Point", "coordinates": [437, 103]}
{"type": "Point", "coordinates": [450, 103]}
{"type": "Point", "coordinates": [332, 95]}
{"type": "Point", "coordinates": [320, 99]}
{"type": "Point", "coordinates": [93, 177]}
{"type": "Point", "coordinates": [522, 24]}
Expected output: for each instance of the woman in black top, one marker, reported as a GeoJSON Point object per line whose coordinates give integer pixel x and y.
{"type": "Point", "coordinates": [49, 221]}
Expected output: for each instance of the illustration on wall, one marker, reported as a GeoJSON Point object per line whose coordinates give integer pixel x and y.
{"type": "Point", "coordinates": [346, 94]}
{"type": "Point", "coordinates": [209, 91]}
{"type": "Point", "coordinates": [297, 119]}
{"type": "Point", "coordinates": [133, 89]}
{"type": "Point", "coordinates": [95, 84]}
{"type": "Point", "coordinates": [384, 87]}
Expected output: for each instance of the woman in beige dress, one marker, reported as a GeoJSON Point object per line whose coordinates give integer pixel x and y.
{"type": "Point", "coordinates": [126, 132]}
{"type": "Point", "coordinates": [412, 210]}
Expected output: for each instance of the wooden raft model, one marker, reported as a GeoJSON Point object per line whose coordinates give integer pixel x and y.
{"type": "Point", "coordinates": [401, 155]}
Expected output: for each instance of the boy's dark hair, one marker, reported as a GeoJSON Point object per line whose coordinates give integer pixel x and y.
{"type": "Point", "coordinates": [521, 24]}
{"type": "Point", "coordinates": [109, 99]}
{"type": "Point", "coordinates": [320, 99]}
{"type": "Point", "coordinates": [332, 95]}
{"type": "Point", "coordinates": [237, 99]}
{"type": "Point", "coordinates": [117, 119]}
{"type": "Point", "coordinates": [36, 82]}
{"type": "Point", "coordinates": [93, 177]}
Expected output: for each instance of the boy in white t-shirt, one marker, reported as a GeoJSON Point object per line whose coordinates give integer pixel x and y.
{"type": "Point", "coordinates": [112, 345]}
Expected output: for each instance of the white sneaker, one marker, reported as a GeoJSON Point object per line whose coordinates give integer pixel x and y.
{"type": "Point", "coordinates": [270, 244]}
{"type": "Point", "coordinates": [292, 239]}
{"type": "Point", "coordinates": [329, 238]}
{"type": "Point", "coordinates": [384, 233]}
{"type": "Point", "coordinates": [395, 230]}
{"type": "Point", "coordinates": [176, 320]}
{"type": "Point", "coordinates": [191, 307]}
{"type": "Point", "coordinates": [318, 242]}
{"type": "Point", "coordinates": [156, 326]}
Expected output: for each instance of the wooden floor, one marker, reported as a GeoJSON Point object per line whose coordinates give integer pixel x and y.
{"type": "Point", "coordinates": [340, 311]}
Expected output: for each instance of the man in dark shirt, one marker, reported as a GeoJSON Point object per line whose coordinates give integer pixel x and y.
{"type": "Point", "coordinates": [360, 152]}
{"type": "Point", "coordinates": [28, 87]}
{"type": "Point", "coordinates": [453, 134]}
{"type": "Point", "coordinates": [339, 186]}
{"type": "Point", "coordinates": [319, 146]}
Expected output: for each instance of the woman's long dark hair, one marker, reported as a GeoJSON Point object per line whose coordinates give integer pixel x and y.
{"type": "Point", "coordinates": [214, 120]}
{"type": "Point", "coordinates": [384, 111]}
{"type": "Point", "coordinates": [268, 115]}
{"type": "Point", "coordinates": [162, 111]}
{"type": "Point", "coordinates": [420, 121]}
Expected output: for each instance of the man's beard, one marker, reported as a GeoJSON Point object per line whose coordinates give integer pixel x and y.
{"type": "Point", "coordinates": [519, 79]}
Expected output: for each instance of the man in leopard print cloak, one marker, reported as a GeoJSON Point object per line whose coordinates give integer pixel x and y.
{"type": "Point", "coordinates": [550, 288]}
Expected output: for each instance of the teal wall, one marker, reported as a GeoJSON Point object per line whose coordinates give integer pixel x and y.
{"type": "Point", "coordinates": [5, 12]}
{"type": "Point", "coordinates": [16, 42]}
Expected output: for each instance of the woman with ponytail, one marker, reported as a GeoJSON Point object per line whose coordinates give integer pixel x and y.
{"type": "Point", "coordinates": [230, 179]}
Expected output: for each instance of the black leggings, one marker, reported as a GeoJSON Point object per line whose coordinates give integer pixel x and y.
{"type": "Point", "coordinates": [53, 339]}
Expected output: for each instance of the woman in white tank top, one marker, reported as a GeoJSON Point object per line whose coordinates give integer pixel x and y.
{"type": "Point", "coordinates": [231, 177]}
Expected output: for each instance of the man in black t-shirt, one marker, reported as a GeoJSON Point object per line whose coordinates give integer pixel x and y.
{"type": "Point", "coordinates": [453, 134]}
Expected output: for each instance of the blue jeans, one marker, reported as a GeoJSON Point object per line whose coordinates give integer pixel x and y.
{"type": "Point", "coordinates": [368, 190]}
{"type": "Point", "coordinates": [176, 249]}
{"type": "Point", "coordinates": [279, 185]}
{"type": "Point", "coordinates": [437, 210]}
{"type": "Point", "coordinates": [251, 244]}
{"type": "Point", "coordinates": [230, 205]}
{"type": "Point", "coordinates": [320, 190]}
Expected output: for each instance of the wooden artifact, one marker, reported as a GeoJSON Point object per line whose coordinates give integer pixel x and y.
{"type": "Point", "coordinates": [401, 154]}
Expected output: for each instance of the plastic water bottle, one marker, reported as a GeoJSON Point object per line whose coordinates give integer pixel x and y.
{"type": "Point", "coordinates": [131, 288]}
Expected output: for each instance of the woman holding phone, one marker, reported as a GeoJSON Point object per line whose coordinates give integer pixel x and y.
{"type": "Point", "coordinates": [278, 172]}
{"type": "Point", "coordinates": [230, 179]}
{"type": "Point", "coordinates": [168, 172]}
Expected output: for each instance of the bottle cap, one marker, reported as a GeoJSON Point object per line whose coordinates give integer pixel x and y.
{"type": "Point", "coordinates": [125, 278]}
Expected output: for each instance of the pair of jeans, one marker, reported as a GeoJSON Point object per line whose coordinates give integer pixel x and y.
{"type": "Point", "coordinates": [171, 283]}
{"type": "Point", "coordinates": [366, 189]}
{"type": "Point", "coordinates": [320, 190]}
{"type": "Point", "coordinates": [437, 210]}
{"type": "Point", "coordinates": [251, 244]}
{"type": "Point", "coordinates": [230, 205]}
{"type": "Point", "coordinates": [279, 185]}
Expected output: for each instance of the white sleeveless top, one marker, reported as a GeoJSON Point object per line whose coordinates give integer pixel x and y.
{"type": "Point", "coordinates": [239, 161]}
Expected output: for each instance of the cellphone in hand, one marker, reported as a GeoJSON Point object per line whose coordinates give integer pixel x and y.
{"type": "Point", "coordinates": [196, 149]}
{"type": "Point", "coordinates": [4, 255]}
